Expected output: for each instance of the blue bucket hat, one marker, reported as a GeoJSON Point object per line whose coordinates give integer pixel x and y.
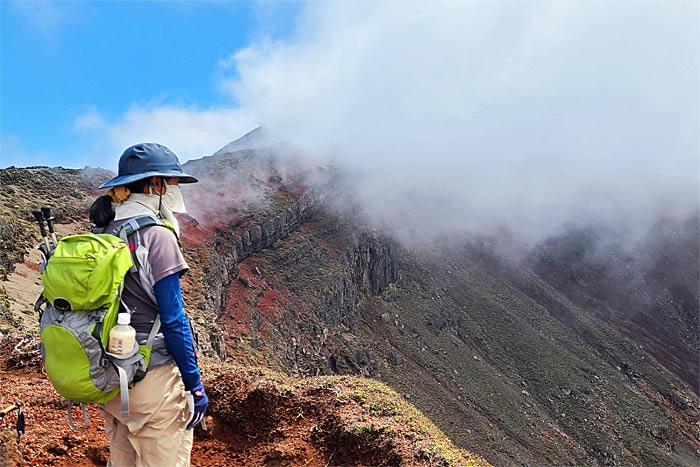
{"type": "Point", "coordinates": [148, 160]}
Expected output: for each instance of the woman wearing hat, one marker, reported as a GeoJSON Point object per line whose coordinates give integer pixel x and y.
{"type": "Point", "coordinates": [158, 430]}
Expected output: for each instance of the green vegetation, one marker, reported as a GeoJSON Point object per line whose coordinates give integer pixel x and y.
{"type": "Point", "coordinates": [386, 413]}
{"type": "Point", "coordinates": [343, 410]}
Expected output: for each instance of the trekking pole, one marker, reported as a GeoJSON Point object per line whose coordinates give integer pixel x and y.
{"type": "Point", "coordinates": [46, 211]}
{"type": "Point", "coordinates": [39, 216]}
{"type": "Point", "coordinates": [20, 416]}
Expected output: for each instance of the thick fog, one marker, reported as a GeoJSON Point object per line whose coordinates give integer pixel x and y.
{"type": "Point", "coordinates": [478, 116]}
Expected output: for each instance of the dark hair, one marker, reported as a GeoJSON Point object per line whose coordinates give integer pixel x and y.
{"type": "Point", "coordinates": [101, 212]}
{"type": "Point", "coordinates": [139, 185]}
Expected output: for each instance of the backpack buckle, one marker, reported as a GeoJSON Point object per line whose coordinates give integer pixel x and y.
{"type": "Point", "coordinates": [104, 362]}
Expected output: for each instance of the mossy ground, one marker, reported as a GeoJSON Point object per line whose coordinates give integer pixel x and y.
{"type": "Point", "coordinates": [339, 420]}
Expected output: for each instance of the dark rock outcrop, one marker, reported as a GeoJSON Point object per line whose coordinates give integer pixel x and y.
{"type": "Point", "coordinates": [367, 266]}
{"type": "Point", "coordinates": [232, 247]}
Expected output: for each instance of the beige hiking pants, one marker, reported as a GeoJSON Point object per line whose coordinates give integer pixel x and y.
{"type": "Point", "coordinates": [153, 435]}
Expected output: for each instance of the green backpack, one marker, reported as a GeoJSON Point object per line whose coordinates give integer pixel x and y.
{"type": "Point", "coordinates": [83, 282]}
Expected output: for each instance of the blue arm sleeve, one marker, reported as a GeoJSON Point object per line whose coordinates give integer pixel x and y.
{"type": "Point", "coordinates": [175, 329]}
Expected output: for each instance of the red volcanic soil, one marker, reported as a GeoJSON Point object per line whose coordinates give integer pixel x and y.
{"type": "Point", "coordinates": [50, 441]}
{"type": "Point", "coordinates": [257, 417]}
{"type": "Point", "coordinates": [248, 294]}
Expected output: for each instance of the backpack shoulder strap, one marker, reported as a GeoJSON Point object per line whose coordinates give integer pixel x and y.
{"type": "Point", "coordinates": [126, 229]}
{"type": "Point", "coordinates": [141, 267]}
{"type": "Point", "coordinates": [134, 224]}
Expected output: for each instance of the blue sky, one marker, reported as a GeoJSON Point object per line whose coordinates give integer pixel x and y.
{"type": "Point", "coordinates": [62, 62]}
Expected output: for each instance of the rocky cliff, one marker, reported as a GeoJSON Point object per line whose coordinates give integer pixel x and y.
{"type": "Point", "coordinates": [500, 358]}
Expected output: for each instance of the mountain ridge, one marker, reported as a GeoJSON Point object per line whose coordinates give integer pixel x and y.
{"type": "Point", "coordinates": [519, 361]}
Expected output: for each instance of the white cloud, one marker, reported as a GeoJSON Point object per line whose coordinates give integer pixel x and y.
{"type": "Point", "coordinates": [530, 115]}
{"type": "Point", "coordinates": [508, 79]}
{"type": "Point", "coordinates": [90, 120]}
{"type": "Point", "coordinates": [228, 62]}
{"type": "Point", "coordinates": [187, 130]}
{"type": "Point", "coordinates": [190, 132]}
{"type": "Point", "coordinates": [470, 115]}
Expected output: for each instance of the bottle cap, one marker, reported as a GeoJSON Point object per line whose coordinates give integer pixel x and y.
{"type": "Point", "coordinates": [123, 318]}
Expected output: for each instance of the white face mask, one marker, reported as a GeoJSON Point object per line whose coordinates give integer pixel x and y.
{"type": "Point", "coordinates": [172, 199]}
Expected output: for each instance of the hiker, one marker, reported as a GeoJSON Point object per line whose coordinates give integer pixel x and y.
{"type": "Point", "coordinates": [159, 428]}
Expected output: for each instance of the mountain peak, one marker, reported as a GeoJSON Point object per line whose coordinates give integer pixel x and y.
{"type": "Point", "coordinates": [255, 138]}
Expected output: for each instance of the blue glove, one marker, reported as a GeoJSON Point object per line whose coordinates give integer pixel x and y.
{"type": "Point", "coordinates": [197, 402]}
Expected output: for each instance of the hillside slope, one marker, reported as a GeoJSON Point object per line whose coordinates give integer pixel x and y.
{"type": "Point", "coordinates": [580, 354]}
{"type": "Point", "coordinates": [533, 361]}
{"type": "Point", "coordinates": [500, 359]}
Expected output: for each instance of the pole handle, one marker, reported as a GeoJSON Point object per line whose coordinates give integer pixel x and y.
{"type": "Point", "coordinates": [39, 216]}
{"type": "Point", "coordinates": [46, 212]}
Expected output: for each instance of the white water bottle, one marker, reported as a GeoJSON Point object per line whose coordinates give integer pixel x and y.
{"type": "Point", "coordinates": [122, 337]}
